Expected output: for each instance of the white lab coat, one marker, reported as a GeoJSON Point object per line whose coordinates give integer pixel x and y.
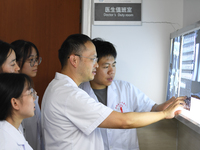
{"type": "Point", "coordinates": [32, 128]}
{"type": "Point", "coordinates": [11, 138]}
{"type": "Point", "coordinates": [70, 117]}
{"type": "Point", "coordinates": [122, 97]}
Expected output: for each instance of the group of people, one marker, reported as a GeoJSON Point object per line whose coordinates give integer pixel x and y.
{"type": "Point", "coordinates": [20, 111]}
{"type": "Point", "coordinates": [83, 107]}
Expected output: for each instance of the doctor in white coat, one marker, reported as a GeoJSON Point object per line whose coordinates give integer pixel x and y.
{"type": "Point", "coordinates": [70, 117]}
{"type": "Point", "coordinates": [119, 95]}
{"type": "Point", "coordinates": [17, 102]}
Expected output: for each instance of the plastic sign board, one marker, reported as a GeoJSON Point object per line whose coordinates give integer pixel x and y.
{"type": "Point", "coordinates": [116, 12]}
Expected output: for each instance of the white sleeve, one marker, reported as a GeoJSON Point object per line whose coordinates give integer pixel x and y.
{"type": "Point", "coordinates": [143, 102]}
{"type": "Point", "coordinates": [85, 112]}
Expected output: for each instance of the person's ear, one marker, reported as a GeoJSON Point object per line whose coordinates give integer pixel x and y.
{"type": "Point", "coordinates": [73, 60]}
{"type": "Point", "coordinates": [15, 103]}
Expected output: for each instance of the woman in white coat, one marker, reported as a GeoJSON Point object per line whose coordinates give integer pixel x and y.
{"type": "Point", "coordinates": [17, 102]}
{"type": "Point", "coordinates": [27, 57]}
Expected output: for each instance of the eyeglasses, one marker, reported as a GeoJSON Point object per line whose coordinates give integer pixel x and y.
{"type": "Point", "coordinates": [33, 93]}
{"type": "Point", "coordinates": [93, 59]}
{"type": "Point", "coordinates": [33, 61]}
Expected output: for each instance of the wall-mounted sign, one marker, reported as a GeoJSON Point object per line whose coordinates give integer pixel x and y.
{"type": "Point", "coordinates": [117, 12]}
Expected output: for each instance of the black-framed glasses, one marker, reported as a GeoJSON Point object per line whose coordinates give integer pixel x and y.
{"type": "Point", "coordinates": [95, 59]}
{"type": "Point", "coordinates": [33, 61]}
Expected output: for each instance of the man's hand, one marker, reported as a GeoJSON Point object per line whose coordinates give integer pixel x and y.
{"type": "Point", "coordinates": [164, 105]}
{"type": "Point", "coordinates": [175, 107]}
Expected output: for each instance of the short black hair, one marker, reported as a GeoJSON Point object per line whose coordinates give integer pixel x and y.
{"type": "Point", "coordinates": [5, 50]}
{"type": "Point", "coordinates": [104, 48]}
{"type": "Point", "coordinates": [11, 86]}
{"type": "Point", "coordinates": [23, 50]}
{"type": "Point", "coordinates": [72, 45]}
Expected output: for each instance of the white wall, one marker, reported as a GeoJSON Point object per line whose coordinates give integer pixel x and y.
{"type": "Point", "coordinates": [191, 12]}
{"type": "Point", "coordinates": [143, 51]}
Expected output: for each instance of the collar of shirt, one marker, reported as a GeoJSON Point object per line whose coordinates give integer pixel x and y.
{"type": "Point", "coordinates": [60, 76]}
{"type": "Point", "coordinates": [14, 133]}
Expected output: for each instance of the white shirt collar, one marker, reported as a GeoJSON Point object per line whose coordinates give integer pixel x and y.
{"type": "Point", "coordinates": [15, 134]}
{"type": "Point", "coordinates": [60, 76]}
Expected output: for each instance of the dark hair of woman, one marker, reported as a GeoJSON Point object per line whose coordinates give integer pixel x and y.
{"type": "Point", "coordinates": [23, 51]}
{"type": "Point", "coordinates": [11, 86]}
{"type": "Point", "coordinates": [5, 51]}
